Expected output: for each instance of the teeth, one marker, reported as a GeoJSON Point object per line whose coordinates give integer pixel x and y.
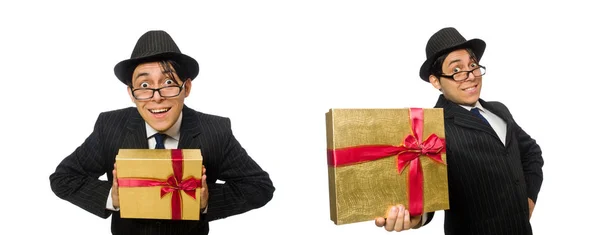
{"type": "Point", "coordinates": [158, 110]}
{"type": "Point", "coordinates": [470, 88]}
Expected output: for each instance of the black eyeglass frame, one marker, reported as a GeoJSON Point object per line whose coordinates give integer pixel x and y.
{"type": "Point", "coordinates": [469, 71]}
{"type": "Point", "coordinates": [154, 90]}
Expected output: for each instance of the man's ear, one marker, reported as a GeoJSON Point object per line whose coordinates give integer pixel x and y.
{"type": "Point", "coordinates": [188, 87]}
{"type": "Point", "coordinates": [435, 82]}
{"type": "Point", "coordinates": [130, 95]}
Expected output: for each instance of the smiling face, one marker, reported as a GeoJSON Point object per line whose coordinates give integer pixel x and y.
{"type": "Point", "coordinates": [159, 112]}
{"type": "Point", "coordinates": [464, 92]}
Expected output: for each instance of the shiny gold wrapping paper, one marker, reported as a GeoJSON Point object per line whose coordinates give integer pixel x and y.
{"type": "Point", "coordinates": [145, 202]}
{"type": "Point", "coordinates": [363, 191]}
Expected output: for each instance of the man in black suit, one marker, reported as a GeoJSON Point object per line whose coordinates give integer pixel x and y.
{"type": "Point", "coordinates": [159, 78]}
{"type": "Point", "coordinates": [494, 167]}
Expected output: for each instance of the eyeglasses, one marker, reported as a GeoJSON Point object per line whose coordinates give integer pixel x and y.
{"type": "Point", "coordinates": [463, 75]}
{"type": "Point", "coordinates": [148, 93]}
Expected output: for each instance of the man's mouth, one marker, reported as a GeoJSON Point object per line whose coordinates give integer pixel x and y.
{"type": "Point", "coordinates": [159, 111]}
{"type": "Point", "coordinates": [471, 88]}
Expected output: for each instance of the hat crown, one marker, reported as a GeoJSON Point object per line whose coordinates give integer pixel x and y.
{"type": "Point", "coordinates": [443, 39]}
{"type": "Point", "coordinates": [156, 45]}
{"type": "Point", "coordinates": [154, 42]}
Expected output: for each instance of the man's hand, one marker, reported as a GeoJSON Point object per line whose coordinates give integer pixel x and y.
{"type": "Point", "coordinates": [115, 189]}
{"type": "Point", "coordinates": [203, 191]}
{"type": "Point", "coordinates": [531, 206]}
{"type": "Point", "coordinates": [398, 219]}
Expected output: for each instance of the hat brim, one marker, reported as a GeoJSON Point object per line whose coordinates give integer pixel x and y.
{"type": "Point", "coordinates": [124, 69]}
{"type": "Point", "coordinates": [476, 45]}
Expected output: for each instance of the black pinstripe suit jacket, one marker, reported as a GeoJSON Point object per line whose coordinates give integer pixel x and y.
{"type": "Point", "coordinates": [247, 186]}
{"type": "Point", "coordinates": [488, 182]}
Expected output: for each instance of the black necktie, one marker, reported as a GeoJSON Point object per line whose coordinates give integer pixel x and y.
{"type": "Point", "coordinates": [478, 114]}
{"type": "Point", "coordinates": [160, 141]}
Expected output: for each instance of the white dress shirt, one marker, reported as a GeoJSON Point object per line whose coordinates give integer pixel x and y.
{"type": "Point", "coordinates": [496, 122]}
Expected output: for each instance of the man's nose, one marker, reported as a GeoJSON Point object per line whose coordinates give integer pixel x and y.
{"type": "Point", "coordinates": [156, 97]}
{"type": "Point", "coordinates": [470, 75]}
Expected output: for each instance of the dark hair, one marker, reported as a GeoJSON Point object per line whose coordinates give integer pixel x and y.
{"type": "Point", "coordinates": [436, 67]}
{"type": "Point", "coordinates": [165, 68]}
{"type": "Point", "coordinates": [169, 67]}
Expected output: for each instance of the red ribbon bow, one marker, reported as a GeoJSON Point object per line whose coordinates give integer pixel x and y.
{"type": "Point", "coordinates": [171, 185]}
{"type": "Point", "coordinates": [408, 153]}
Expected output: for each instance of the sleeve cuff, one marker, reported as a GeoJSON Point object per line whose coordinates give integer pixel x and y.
{"type": "Point", "coordinates": [533, 187]}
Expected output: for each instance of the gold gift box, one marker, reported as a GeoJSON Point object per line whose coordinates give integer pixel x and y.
{"type": "Point", "coordinates": [146, 202]}
{"type": "Point", "coordinates": [365, 190]}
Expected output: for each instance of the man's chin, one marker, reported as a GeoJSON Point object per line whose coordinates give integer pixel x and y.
{"type": "Point", "coordinates": [466, 102]}
{"type": "Point", "coordinates": [471, 99]}
{"type": "Point", "coordinates": [160, 127]}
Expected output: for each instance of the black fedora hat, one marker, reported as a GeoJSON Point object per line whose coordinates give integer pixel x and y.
{"type": "Point", "coordinates": [446, 40]}
{"type": "Point", "coordinates": [156, 45]}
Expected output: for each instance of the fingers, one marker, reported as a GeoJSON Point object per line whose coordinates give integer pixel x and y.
{"type": "Point", "coordinates": [379, 221]}
{"type": "Point", "coordinates": [406, 224]}
{"type": "Point", "coordinates": [531, 206]}
{"type": "Point", "coordinates": [115, 184]}
{"type": "Point", "coordinates": [203, 198]}
{"type": "Point", "coordinates": [204, 189]}
{"type": "Point", "coordinates": [399, 225]}
{"type": "Point", "coordinates": [114, 172]}
{"type": "Point", "coordinates": [115, 188]}
{"type": "Point", "coordinates": [203, 177]}
{"type": "Point", "coordinates": [390, 222]}
{"type": "Point", "coordinates": [398, 219]}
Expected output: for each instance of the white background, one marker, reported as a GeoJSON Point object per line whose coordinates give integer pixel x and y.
{"type": "Point", "coordinates": [275, 68]}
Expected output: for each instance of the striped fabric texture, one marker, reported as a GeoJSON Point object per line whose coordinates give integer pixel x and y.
{"type": "Point", "coordinates": [247, 186]}
{"type": "Point", "coordinates": [488, 182]}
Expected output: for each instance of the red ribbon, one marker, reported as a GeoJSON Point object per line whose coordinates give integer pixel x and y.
{"type": "Point", "coordinates": [408, 154]}
{"type": "Point", "coordinates": [174, 184]}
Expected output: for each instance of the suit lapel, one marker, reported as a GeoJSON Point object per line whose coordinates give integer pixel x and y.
{"type": "Point", "coordinates": [135, 138]}
{"type": "Point", "coordinates": [461, 117]}
{"type": "Point", "coordinates": [503, 115]}
{"type": "Point", "coordinates": [190, 129]}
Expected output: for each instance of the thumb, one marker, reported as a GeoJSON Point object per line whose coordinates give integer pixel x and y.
{"type": "Point", "coordinates": [379, 221]}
